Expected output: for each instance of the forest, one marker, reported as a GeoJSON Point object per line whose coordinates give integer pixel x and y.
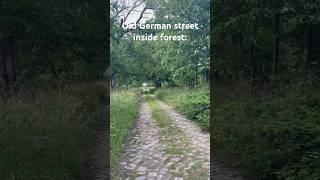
{"type": "Point", "coordinates": [160, 63]}
{"type": "Point", "coordinates": [53, 59]}
{"type": "Point", "coordinates": [265, 87]}
{"type": "Point", "coordinates": [159, 54]}
{"type": "Point", "coordinates": [260, 60]}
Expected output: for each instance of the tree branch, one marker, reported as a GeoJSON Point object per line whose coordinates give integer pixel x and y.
{"type": "Point", "coordinates": [141, 14]}
{"type": "Point", "coordinates": [126, 17]}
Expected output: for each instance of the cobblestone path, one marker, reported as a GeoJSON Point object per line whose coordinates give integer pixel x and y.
{"type": "Point", "coordinates": [177, 151]}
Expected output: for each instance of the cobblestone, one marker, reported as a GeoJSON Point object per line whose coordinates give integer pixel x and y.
{"type": "Point", "coordinates": [152, 154]}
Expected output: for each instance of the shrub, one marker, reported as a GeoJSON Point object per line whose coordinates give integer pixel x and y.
{"type": "Point", "coordinates": [275, 139]}
{"type": "Point", "coordinates": [194, 104]}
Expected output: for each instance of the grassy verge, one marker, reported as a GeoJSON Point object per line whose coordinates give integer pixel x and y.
{"type": "Point", "coordinates": [157, 113]}
{"type": "Point", "coordinates": [123, 111]}
{"type": "Point", "coordinates": [167, 129]}
{"type": "Point", "coordinates": [45, 135]}
{"type": "Point", "coordinates": [277, 138]}
{"type": "Point", "coordinates": [193, 104]}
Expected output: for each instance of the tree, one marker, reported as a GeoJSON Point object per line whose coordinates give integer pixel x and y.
{"type": "Point", "coordinates": [52, 41]}
{"type": "Point", "coordinates": [163, 62]}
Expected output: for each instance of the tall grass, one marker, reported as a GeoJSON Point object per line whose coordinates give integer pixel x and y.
{"type": "Point", "coordinates": [123, 112]}
{"type": "Point", "coordinates": [46, 135]}
{"type": "Point", "coordinates": [194, 104]}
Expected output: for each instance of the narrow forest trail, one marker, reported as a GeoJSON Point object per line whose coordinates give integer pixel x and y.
{"type": "Point", "coordinates": [165, 145]}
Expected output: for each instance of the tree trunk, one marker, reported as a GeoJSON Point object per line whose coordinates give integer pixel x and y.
{"type": "Point", "coordinates": [207, 76]}
{"type": "Point", "coordinates": [307, 41]}
{"type": "Point", "coordinates": [276, 39]}
{"type": "Point", "coordinates": [253, 62]}
{"type": "Point", "coordinates": [126, 82]}
{"type": "Point", "coordinates": [196, 77]}
{"type": "Point", "coordinates": [113, 82]}
{"type": "Point", "coordinates": [157, 83]}
{"type": "Point", "coordinates": [8, 64]}
{"type": "Point", "coordinates": [2, 57]}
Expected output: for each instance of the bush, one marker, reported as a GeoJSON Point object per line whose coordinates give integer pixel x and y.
{"type": "Point", "coordinates": [123, 111]}
{"type": "Point", "coordinates": [275, 139]}
{"type": "Point", "coordinates": [46, 135]}
{"type": "Point", "coordinates": [194, 104]}
{"type": "Point", "coordinates": [148, 90]}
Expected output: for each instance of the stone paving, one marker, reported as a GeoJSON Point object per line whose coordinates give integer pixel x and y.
{"type": "Point", "coordinates": [178, 151]}
{"type": "Point", "coordinates": [201, 141]}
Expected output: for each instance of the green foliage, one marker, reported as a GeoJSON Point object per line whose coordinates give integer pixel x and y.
{"type": "Point", "coordinates": [48, 46]}
{"type": "Point", "coordinates": [46, 134]}
{"type": "Point", "coordinates": [124, 106]}
{"type": "Point", "coordinates": [245, 32]}
{"type": "Point", "coordinates": [194, 104]}
{"type": "Point", "coordinates": [275, 139]}
{"type": "Point", "coordinates": [263, 51]}
{"type": "Point", "coordinates": [171, 63]}
{"type": "Point", "coordinates": [57, 40]}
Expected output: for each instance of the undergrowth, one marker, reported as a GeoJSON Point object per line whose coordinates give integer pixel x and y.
{"type": "Point", "coordinates": [45, 135]}
{"type": "Point", "coordinates": [274, 138]}
{"type": "Point", "coordinates": [194, 104]}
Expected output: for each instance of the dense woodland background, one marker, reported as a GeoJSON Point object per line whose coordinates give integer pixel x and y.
{"type": "Point", "coordinates": [53, 59]}
{"type": "Point", "coordinates": [176, 72]}
{"type": "Point", "coordinates": [265, 87]}
{"type": "Point", "coordinates": [264, 81]}
{"type": "Point", "coordinates": [169, 63]}
{"type": "Point", "coordinates": [52, 42]}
